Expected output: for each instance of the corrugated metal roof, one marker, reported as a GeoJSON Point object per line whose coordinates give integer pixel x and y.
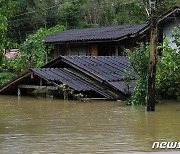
{"type": "Point", "coordinates": [94, 34]}
{"type": "Point", "coordinates": [108, 68]}
{"type": "Point", "coordinates": [63, 76]}
{"type": "Point", "coordinates": [101, 74]}
{"type": "Point", "coordinates": [75, 82]}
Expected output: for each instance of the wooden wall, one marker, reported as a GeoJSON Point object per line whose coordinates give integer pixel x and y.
{"type": "Point", "coordinates": [94, 49]}
{"type": "Point", "coordinates": [75, 49]}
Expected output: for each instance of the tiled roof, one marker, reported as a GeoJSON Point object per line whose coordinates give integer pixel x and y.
{"type": "Point", "coordinates": [95, 34]}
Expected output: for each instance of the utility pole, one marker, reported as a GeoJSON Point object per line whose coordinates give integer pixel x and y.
{"type": "Point", "coordinates": [152, 58]}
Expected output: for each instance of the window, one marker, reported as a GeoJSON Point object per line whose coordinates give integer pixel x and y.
{"type": "Point", "coordinates": [79, 50]}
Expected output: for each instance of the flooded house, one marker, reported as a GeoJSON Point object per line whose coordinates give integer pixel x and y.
{"type": "Point", "coordinates": [90, 63]}
{"type": "Point", "coordinates": [92, 76]}
{"type": "Point", "coordinates": [99, 41]}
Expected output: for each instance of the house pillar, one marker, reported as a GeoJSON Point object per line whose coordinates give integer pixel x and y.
{"type": "Point", "coordinates": [116, 50]}
{"type": "Point", "coordinates": [19, 91]}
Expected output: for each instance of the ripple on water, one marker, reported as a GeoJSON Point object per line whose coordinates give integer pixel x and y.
{"type": "Point", "coordinates": [30, 125]}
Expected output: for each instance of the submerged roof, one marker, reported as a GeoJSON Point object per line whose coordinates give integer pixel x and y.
{"type": "Point", "coordinates": [63, 76]}
{"type": "Point", "coordinates": [106, 69]}
{"type": "Point", "coordinates": [109, 69]}
{"type": "Point", "coordinates": [101, 74]}
{"type": "Point", "coordinates": [73, 81]}
{"type": "Point", "coordinates": [95, 34]}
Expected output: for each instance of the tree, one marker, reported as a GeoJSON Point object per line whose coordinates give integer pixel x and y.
{"type": "Point", "coordinates": [29, 16]}
{"type": "Point", "coordinates": [34, 50]}
{"type": "Point", "coordinates": [5, 13]}
{"type": "Point", "coordinates": [139, 62]}
{"type": "Point", "coordinates": [70, 13]}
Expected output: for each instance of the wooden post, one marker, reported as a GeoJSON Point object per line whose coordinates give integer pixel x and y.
{"type": "Point", "coordinates": [46, 54]}
{"type": "Point", "coordinates": [19, 91]}
{"type": "Point", "coordinates": [65, 92]}
{"type": "Point", "coordinates": [40, 82]}
{"type": "Point", "coordinates": [152, 60]}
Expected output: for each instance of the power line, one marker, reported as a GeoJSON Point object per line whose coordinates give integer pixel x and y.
{"type": "Point", "coordinates": [42, 9]}
{"type": "Point", "coordinates": [36, 11]}
{"type": "Point", "coordinates": [134, 1]}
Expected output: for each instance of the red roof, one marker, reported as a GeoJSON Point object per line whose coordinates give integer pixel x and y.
{"type": "Point", "coordinates": [12, 54]}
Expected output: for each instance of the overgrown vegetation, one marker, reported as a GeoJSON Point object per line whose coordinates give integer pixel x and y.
{"type": "Point", "coordinates": [168, 69]}
{"type": "Point", "coordinates": [30, 16]}
{"type": "Point", "coordinates": [139, 62]}
{"type": "Point", "coordinates": [167, 74]}
{"type": "Point", "coordinates": [33, 53]}
{"type": "Point", "coordinates": [34, 50]}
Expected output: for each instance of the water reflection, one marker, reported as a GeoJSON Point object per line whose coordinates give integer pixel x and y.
{"type": "Point", "coordinates": [38, 125]}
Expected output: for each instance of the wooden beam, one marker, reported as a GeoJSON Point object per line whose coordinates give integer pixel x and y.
{"type": "Point", "coordinates": [37, 87]}
{"type": "Point", "coordinates": [14, 81]}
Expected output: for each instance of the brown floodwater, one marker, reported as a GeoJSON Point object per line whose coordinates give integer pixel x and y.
{"type": "Point", "coordinates": [38, 125]}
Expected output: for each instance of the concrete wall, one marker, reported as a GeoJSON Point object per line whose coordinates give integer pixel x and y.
{"type": "Point", "coordinates": [167, 30]}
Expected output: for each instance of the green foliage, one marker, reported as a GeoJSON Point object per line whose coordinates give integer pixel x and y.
{"type": "Point", "coordinates": [139, 62]}
{"type": "Point", "coordinates": [40, 91]}
{"type": "Point", "coordinates": [130, 13]}
{"type": "Point", "coordinates": [165, 5]}
{"type": "Point", "coordinates": [34, 50]}
{"type": "Point", "coordinates": [70, 13]}
{"type": "Point", "coordinates": [5, 13]}
{"type": "Point", "coordinates": [63, 86]}
{"type": "Point", "coordinates": [33, 54]}
{"type": "Point", "coordinates": [168, 72]}
{"type": "Point", "coordinates": [79, 95]}
{"type": "Point", "coordinates": [29, 16]}
{"type": "Point", "coordinates": [5, 77]}
{"type": "Point", "coordinates": [176, 36]}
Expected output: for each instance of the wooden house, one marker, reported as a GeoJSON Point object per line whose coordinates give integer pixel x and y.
{"type": "Point", "coordinates": [99, 41]}
{"type": "Point", "coordinates": [110, 41]}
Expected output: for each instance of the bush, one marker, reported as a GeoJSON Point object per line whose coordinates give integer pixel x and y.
{"type": "Point", "coordinates": [33, 54]}
{"type": "Point", "coordinates": [139, 62]}
{"type": "Point", "coordinates": [5, 77]}
{"type": "Point", "coordinates": [168, 72]}
{"type": "Point", "coordinates": [34, 49]}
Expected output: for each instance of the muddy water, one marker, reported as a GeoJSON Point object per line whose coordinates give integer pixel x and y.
{"type": "Point", "coordinates": [38, 125]}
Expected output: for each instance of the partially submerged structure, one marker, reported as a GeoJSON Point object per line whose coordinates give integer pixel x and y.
{"type": "Point", "coordinates": [97, 66]}
{"type": "Point", "coordinates": [93, 76]}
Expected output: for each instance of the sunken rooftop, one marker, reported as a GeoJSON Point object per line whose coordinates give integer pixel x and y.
{"type": "Point", "coordinates": [95, 34]}
{"type": "Point", "coordinates": [100, 76]}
